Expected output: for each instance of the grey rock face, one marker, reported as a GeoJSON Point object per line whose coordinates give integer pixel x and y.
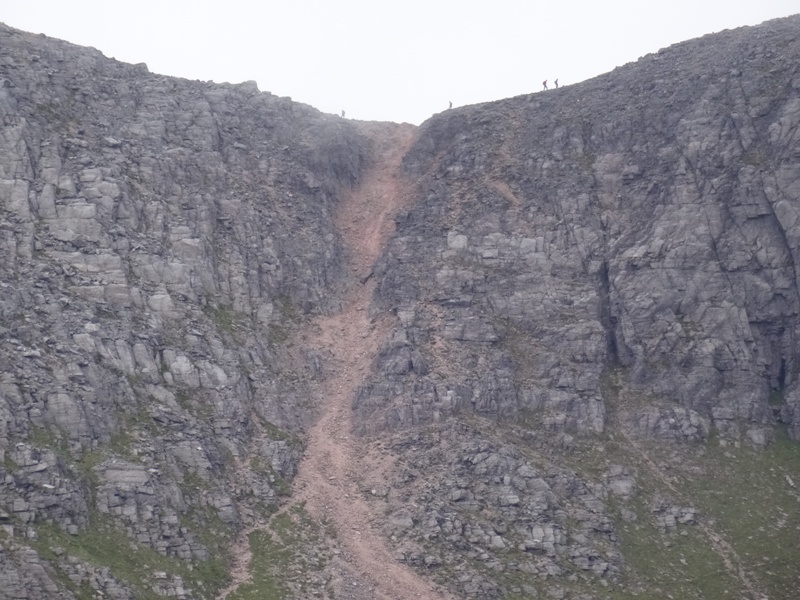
{"type": "Point", "coordinates": [493, 507]}
{"type": "Point", "coordinates": [159, 238]}
{"type": "Point", "coordinates": [643, 221]}
{"type": "Point", "coordinates": [22, 575]}
{"type": "Point", "coordinates": [614, 260]}
{"type": "Point", "coordinates": [668, 516]}
{"type": "Point", "coordinates": [677, 423]}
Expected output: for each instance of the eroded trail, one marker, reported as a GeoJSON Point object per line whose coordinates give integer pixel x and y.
{"type": "Point", "coordinates": [335, 461]}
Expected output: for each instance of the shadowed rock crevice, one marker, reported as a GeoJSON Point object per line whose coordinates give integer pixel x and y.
{"type": "Point", "coordinates": [609, 319]}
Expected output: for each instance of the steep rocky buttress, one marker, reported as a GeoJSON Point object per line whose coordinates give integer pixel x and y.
{"type": "Point", "coordinates": [545, 346]}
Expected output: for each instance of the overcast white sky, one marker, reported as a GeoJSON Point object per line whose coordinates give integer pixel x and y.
{"type": "Point", "coordinates": [380, 59]}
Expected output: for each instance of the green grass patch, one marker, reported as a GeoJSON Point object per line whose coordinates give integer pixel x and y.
{"type": "Point", "coordinates": [747, 491]}
{"type": "Point", "coordinates": [270, 558]}
{"type": "Point", "coordinates": [285, 554]}
{"type": "Point", "coordinates": [42, 437]}
{"type": "Point", "coordinates": [103, 545]}
{"type": "Point", "coordinates": [265, 470]}
{"type": "Point", "coordinates": [288, 309]}
{"type": "Point", "coordinates": [682, 563]}
{"type": "Point", "coordinates": [193, 484]}
{"type": "Point", "coordinates": [745, 494]}
{"type": "Point", "coordinates": [277, 334]}
{"type": "Point", "coordinates": [276, 433]}
{"type": "Point", "coordinates": [192, 402]}
{"type": "Point", "coordinates": [122, 444]}
{"type": "Point", "coordinates": [8, 463]}
{"type": "Point", "coordinates": [226, 319]}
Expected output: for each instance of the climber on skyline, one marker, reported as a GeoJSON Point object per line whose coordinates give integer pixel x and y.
{"type": "Point", "coordinates": [556, 82]}
{"type": "Point", "coordinates": [544, 85]}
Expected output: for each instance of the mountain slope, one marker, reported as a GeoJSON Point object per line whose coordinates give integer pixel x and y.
{"type": "Point", "coordinates": [608, 271]}
{"type": "Point", "coordinates": [161, 240]}
{"type": "Point", "coordinates": [569, 369]}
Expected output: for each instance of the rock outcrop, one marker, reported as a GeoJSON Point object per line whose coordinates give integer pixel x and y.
{"type": "Point", "coordinates": [160, 239]}
{"type": "Point", "coordinates": [638, 227]}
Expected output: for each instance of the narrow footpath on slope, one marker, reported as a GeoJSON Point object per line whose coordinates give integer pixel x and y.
{"type": "Point", "coordinates": [336, 461]}
{"type": "Point", "coordinates": [338, 469]}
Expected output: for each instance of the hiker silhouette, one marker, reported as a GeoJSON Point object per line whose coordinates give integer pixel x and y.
{"type": "Point", "coordinates": [544, 84]}
{"type": "Point", "coordinates": [556, 82]}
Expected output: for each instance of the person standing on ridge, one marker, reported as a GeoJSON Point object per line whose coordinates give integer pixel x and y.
{"type": "Point", "coordinates": [343, 114]}
{"type": "Point", "coordinates": [544, 85]}
{"type": "Point", "coordinates": [451, 104]}
{"type": "Point", "coordinates": [556, 82]}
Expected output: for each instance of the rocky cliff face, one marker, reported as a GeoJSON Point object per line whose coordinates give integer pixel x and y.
{"type": "Point", "coordinates": [641, 224]}
{"type": "Point", "coordinates": [589, 311]}
{"type": "Point", "coordinates": [160, 238]}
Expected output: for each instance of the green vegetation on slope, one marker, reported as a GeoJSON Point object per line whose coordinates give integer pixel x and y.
{"type": "Point", "coordinates": [140, 567]}
{"type": "Point", "coordinates": [284, 555]}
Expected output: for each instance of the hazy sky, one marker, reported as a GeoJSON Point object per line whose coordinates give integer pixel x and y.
{"type": "Point", "coordinates": [382, 60]}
